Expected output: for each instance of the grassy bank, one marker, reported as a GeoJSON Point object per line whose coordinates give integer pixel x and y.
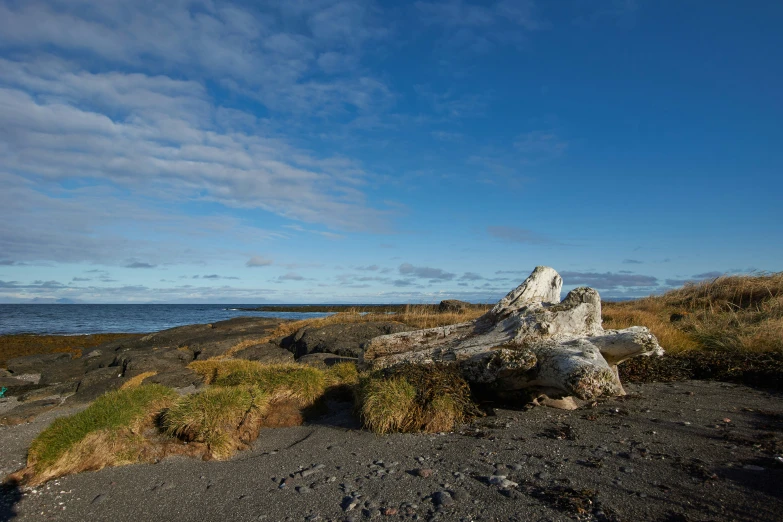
{"type": "Point", "coordinates": [729, 314]}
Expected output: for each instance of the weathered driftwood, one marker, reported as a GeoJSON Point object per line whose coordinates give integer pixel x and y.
{"type": "Point", "coordinates": [529, 340]}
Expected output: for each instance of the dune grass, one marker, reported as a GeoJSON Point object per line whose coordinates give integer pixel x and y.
{"type": "Point", "coordinates": [413, 398]}
{"type": "Point", "coordinates": [225, 418]}
{"type": "Point", "coordinates": [106, 433]}
{"type": "Point", "coordinates": [729, 313]}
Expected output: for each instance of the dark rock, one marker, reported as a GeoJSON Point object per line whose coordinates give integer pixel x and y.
{"type": "Point", "coordinates": [96, 383]}
{"type": "Point", "coordinates": [56, 390]}
{"type": "Point", "coordinates": [442, 498]}
{"type": "Point", "coordinates": [145, 360]}
{"type": "Point", "coordinates": [452, 305]}
{"type": "Point", "coordinates": [267, 353]}
{"type": "Point", "coordinates": [36, 363]}
{"type": "Point", "coordinates": [27, 412]}
{"type": "Point", "coordinates": [324, 360]}
{"type": "Point", "coordinates": [177, 379]}
{"type": "Point", "coordinates": [339, 339]}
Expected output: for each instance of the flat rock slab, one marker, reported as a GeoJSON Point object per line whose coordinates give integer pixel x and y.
{"type": "Point", "coordinates": [26, 412]}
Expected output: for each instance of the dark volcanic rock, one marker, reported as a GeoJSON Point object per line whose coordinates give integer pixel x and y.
{"type": "Point", "coordinates": [177, 379]}
{"type": "Point", "coordinates": [146, 360]}
{"type": "Point", "coordinates": [36, 363]}
{"type": "Point", "coordinates": [452, 305]}
{"type": "Point", "coordinates": [339, 339]}
{"type": "Point", "coordinates": [324, 360]}
{"type": "Point", "coordinates": [27, 412]}
{"type": "Point", "coordinates": [267, 353]}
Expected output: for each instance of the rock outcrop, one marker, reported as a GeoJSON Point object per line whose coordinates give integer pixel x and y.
{"type": "Point", "coordinates": [345, 340]}
{"type": "Point", "coordinates": [529, 341]}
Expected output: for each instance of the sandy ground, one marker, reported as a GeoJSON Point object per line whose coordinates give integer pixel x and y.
{"type": "Point", "coordinates": [687, 451]}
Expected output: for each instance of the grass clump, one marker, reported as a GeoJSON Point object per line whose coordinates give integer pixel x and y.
{"type": "Point", "coordinates": [412, 398]}
{"type": "Point", "coordinates": [223, 418]}
{"type": "Point", "coordinates": [730, 313]}
{"type": "Point", "coordinates": [108, 432]}
{"type": "Point", "coordinates": [298, 382]}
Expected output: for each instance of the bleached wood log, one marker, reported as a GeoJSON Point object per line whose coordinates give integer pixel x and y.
{"type": "Point", "coordinates": [530, 339]}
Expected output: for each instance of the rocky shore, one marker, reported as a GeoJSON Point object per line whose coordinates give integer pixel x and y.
{"type": "Point", "coordinates": [688, 450]}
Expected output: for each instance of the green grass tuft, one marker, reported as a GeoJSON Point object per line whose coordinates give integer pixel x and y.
{"type": "Point", "coordinates": [113, 411]}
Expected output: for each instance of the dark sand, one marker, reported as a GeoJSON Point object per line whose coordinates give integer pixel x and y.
{"type": "Point", "coordinates": [687, 451]}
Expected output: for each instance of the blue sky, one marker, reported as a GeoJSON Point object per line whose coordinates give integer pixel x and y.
{"type": "Point", "coordinates": [315, 151]}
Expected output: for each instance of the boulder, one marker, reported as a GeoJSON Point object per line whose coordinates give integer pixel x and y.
{"type": "Point", "coordinates": [529, 341]}
{"type": "Point", "coordinates": [452, 305]}
{"type": "Point", "coordinates": [266, 353]}
{"type": "Point", "coordinates": [346, 339]}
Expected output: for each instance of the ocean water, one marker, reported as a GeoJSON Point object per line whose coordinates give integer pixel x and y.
{"type": "Point", "coordinates": [82, 319]}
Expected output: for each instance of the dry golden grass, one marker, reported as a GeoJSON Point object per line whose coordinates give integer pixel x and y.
{"type": "Point", "coordinates": [727, 313]}
{"type": "Point", "coordinates": [136, 381]}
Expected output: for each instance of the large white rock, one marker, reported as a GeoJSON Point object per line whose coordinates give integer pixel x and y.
{"type": "Point", "coordinates": [529, 340]}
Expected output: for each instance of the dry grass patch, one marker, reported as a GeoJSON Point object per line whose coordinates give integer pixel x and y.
{"type": "Point", "coordinates": [413, 398]}
{"type": "Point", "coordinates": [729, 313]}
{"type": "Point", "coordinates": [109, 432]}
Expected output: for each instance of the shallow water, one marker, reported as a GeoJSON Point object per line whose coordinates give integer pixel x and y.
{"type": "Point", "coordinates": [78, 319]}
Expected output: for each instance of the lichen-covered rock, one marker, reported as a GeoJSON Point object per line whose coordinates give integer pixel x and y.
{"type": "Point", "coordinates": [529, 340]}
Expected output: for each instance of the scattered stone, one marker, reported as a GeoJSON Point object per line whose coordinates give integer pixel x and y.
{"type": "Point", "coordinates": [349, 503]}
{"type": "Point", "coordinates": [389, 511]}
{"type": "Point", "coordinates": [423, 472]}
{"type": "Point", "coordinates": [443, 498]}
{"type": "Point", "coordinates": [502, 481]}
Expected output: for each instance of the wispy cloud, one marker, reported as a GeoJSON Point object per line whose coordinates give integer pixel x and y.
{"type": "Point", "coordinates": [632, 262]}
{"type": "Point", "coordinates": [139, 264]}
{"type": "Point", "coordinates": [425, 272]}
{"type": "Point", "coordinates": [608, 280]}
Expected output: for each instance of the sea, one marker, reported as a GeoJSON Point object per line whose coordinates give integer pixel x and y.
{"type": "Point", "coordinates": [83, 319]}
